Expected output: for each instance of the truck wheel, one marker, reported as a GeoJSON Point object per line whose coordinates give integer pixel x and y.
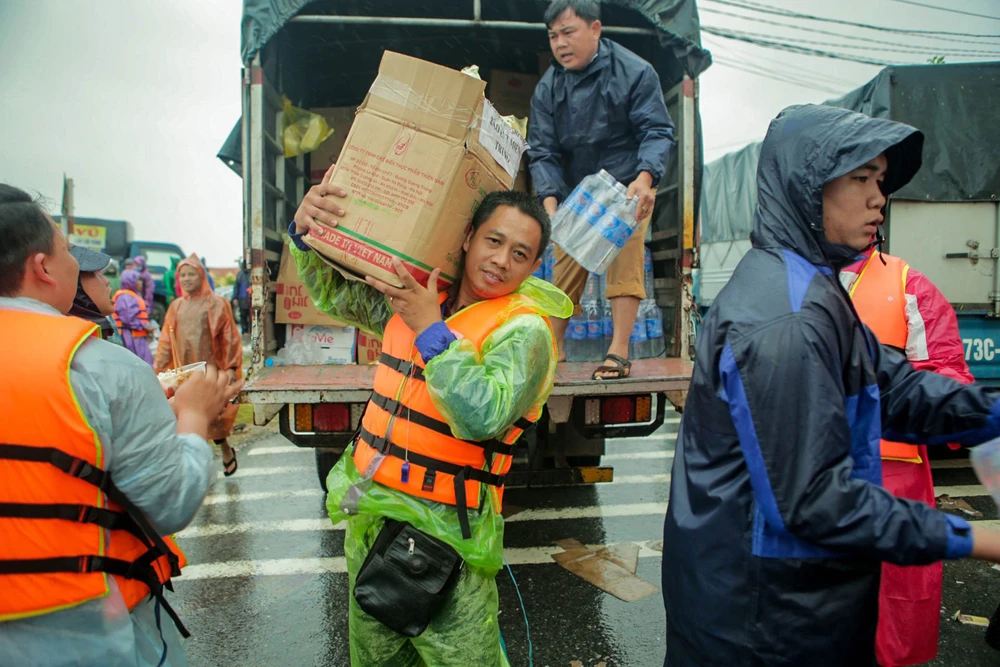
{"type": "Point", "coordinates": [159, 312]}
{"type": "Point", "coordinates": [325, 460]}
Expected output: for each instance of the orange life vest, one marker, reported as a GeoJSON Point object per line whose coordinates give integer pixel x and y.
{"type": "Point", "coordinates": [143, 313]}
{"type": "Point", "coordinates": [422, 456]}
{"type": "Point", "coordinates": [64, 526]}
{"type": "Point", "coordinates": [879, 295]}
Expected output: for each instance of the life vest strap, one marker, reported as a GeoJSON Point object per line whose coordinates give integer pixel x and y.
{"type": "Point", "coordinates": [81, 469]}
{"type": "Point", "coordinates": [460, 473]}
{"type": "Point", "coordinates": [398, 409]}
{"type": "Point", "coordinates": [77, 513]}
{"type": "Point", "coordinates": [407, 368]}
{"type": "Point", "coordinates": [140, 569]}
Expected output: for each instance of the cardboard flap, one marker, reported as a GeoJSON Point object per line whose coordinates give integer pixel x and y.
{"type": "Point", "coordinates": [437, 99]}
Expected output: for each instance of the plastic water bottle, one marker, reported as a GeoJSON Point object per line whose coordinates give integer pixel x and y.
{"type": "Point", "coordinates": [576, 339]}
{"type": "Point", "coordinates": [608, 324]}
{"type": "Point", "coordinates": [549, 261]}
{"type": "Point", "coordinates": [638, 342]}
{"type": "Point", "coordinates": [595, 221]}
{"type": "Point", "coordinates": [654, 327]}
{"type": "Point", "coordinates": [595, 330]}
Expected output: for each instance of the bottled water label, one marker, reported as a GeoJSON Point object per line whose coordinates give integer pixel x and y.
{"type": "Point", "coordinates": [654, 327]}
{"type": "Point", "coordinates": [594, 330]}
{"type": "Point", "coordinates": [638, 332]}
{"type": "Point", "coordinates": [578, 330]}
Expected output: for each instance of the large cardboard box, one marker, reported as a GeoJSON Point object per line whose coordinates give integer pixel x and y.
{"type": "Point", "coordinates": [328, 345]}
{"type": "Point", "coordinates": [340, 119]}
{"type": "Point", "coordinates": [510, 92]}
{"type": "Point", "coordinates": [369, 348]}
{"type": "Point", "coordinates": [424, 150]}
{"type": "Point", "coordinates": [293, 305]}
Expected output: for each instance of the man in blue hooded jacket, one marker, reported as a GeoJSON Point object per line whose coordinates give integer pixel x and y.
{"type": "Point", "coordinates": [778, 522]}
{"type": "Point", "coordinates": [598, 107]}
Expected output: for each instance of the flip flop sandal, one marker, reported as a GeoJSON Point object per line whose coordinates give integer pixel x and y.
{"type": "Point", "coordinates": [232, 462]}
{"type": "Point", "coordinates": [622, 366]}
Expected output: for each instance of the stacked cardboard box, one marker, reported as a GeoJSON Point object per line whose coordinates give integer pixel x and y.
{"type": "Point", "coordinates": [425, 148]}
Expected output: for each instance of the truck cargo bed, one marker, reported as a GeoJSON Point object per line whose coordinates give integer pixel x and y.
{"type": "Point", "coordinates": [353, 384]}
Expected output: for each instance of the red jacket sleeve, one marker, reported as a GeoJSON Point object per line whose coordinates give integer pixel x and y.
{"type": "Point", "coordinates": [933, 342]}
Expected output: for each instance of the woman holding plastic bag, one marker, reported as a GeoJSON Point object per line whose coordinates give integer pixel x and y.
{"type": "Point", "coordinates": [199, 326]}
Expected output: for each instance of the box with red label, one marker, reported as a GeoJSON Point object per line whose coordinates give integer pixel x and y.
{"type": "Point", "coordinates": [292, 302]}
{"type": "Point", "coordinates": [369, 348]}
{"type": "Point", "coordinates": [325, 345]}
{"type": "Point", "coordinates": [425, 148]}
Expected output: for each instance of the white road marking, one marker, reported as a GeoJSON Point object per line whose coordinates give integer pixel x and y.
{"type": "Point", "coordinates": [284, 449]}
{"type": "Point", "coordinates": [951, 463]}
{"type": "Point", "coordinates": [337, 564]}
{"type": "Point", "coordinates": [966, 491]}
{"type": "Point", "coordinates": [641, 479]}
{"type": "Point", "coordinates": [590, 512]}
{"type": "Point", "coordinates": [251, 471]}
{"type": "Point", "coordinates": [324, 524]}
{"type": "Point", "coordinates": [236, 497]}
{"type": "Point", "coordinates": [636, 456]}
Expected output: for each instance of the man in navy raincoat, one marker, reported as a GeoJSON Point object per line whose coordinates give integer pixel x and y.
{"type": "Point", "coordinates": [598, 107]}
{"type": "Point", "coordinates": [777, 522]}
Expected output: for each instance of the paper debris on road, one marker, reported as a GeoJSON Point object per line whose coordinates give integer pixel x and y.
{"type": "Point", "coordinates": [612, 569]}
{"type": "Point", "coordinates": [969, 619]}
{"type": "Point", "coordinates": [946, 502]}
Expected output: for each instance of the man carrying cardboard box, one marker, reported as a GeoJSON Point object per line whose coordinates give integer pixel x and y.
{"type": "Point", "coordinates": [599, 107]}
{"type": "Point", "coordinates": [462, 375]}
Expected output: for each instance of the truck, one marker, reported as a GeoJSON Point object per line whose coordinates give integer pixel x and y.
{"type": "Point", "coordinates": [116, 238]}
{"type": "Point", "coordinates": [325, 55]}
{"type": "Point", "coordinates": [944, 223]}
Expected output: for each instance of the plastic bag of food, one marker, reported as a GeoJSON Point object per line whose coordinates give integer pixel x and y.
{"type": "Point", "coordinates": [304, 131]}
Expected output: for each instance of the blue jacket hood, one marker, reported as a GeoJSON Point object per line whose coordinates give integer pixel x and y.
{"type": "Point", "coordinates": [806, 147]}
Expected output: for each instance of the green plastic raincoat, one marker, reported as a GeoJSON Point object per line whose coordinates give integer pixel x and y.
{"type": "Point", "coordinates": [481, 393]}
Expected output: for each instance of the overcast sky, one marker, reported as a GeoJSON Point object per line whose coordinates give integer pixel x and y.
{"type": "Point", "coordinates": [133, 98]}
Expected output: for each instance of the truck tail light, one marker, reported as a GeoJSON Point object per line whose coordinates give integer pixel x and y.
{"type": "Point", "coordinates": [622, 409]}
{"type": "Point", "coordinates": [303, 418]}
{"type": "Point", "coordinates": [618, 409]}
{"type": "Point", "coordinates": [327, 417]}
{"type": "Point", "coordinates": [332, 417]}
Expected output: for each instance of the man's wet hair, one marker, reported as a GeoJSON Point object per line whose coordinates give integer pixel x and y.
{"type": "Point", "coordinates": [523, 202]}
{"type": "Point", "coordinates": [588, 10]}
{"type": "Point", "coordinates": [24, 232]}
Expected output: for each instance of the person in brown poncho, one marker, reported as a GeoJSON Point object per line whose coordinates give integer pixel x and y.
{"type": "Point", "coordinates": [200, 325]}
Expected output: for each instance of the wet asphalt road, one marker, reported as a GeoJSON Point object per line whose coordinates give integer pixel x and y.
{"type": "Point", "coordinates": [266, 584]}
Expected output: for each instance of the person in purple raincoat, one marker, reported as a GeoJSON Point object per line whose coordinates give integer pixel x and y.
{"type": "Point", "coordinates": [132, 317]}
{"type": "Point", "coordinates": [147, 280]}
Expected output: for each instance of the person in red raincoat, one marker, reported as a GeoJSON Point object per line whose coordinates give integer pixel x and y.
{"type": "Point", "coordinates": [200, 324]}
{"type": "Point", "coordinates": [906, 310]}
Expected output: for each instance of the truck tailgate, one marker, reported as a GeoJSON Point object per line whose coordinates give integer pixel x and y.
{"type": "Point", "coordinates": [353, 384]}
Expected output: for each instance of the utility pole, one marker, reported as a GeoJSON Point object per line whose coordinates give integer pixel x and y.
{"type": "Point", "coordinates": [67, 206]}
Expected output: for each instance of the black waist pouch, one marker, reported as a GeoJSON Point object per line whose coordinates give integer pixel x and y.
{"type": "Point", "coordinates": [406, 577]}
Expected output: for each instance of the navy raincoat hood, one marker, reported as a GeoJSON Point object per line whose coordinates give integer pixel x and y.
{"type": "Point", "coordinates": [777, 520]}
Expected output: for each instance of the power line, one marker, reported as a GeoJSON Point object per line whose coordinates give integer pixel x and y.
{"type": "Point", "coordinates": [928, 50]}
{"type": "Point", "coordinates": [778, 11]}
{"type": "Point", "coordinates": [750, 69]}
{"type": "Point", "coordinates": [945, 9]}
{"type": "Point", "coordinates": [820, 31]}
{"type": "Point", "coordinates": [783, 46]}
{"type": "Point", "coordinates": [800, 76]}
